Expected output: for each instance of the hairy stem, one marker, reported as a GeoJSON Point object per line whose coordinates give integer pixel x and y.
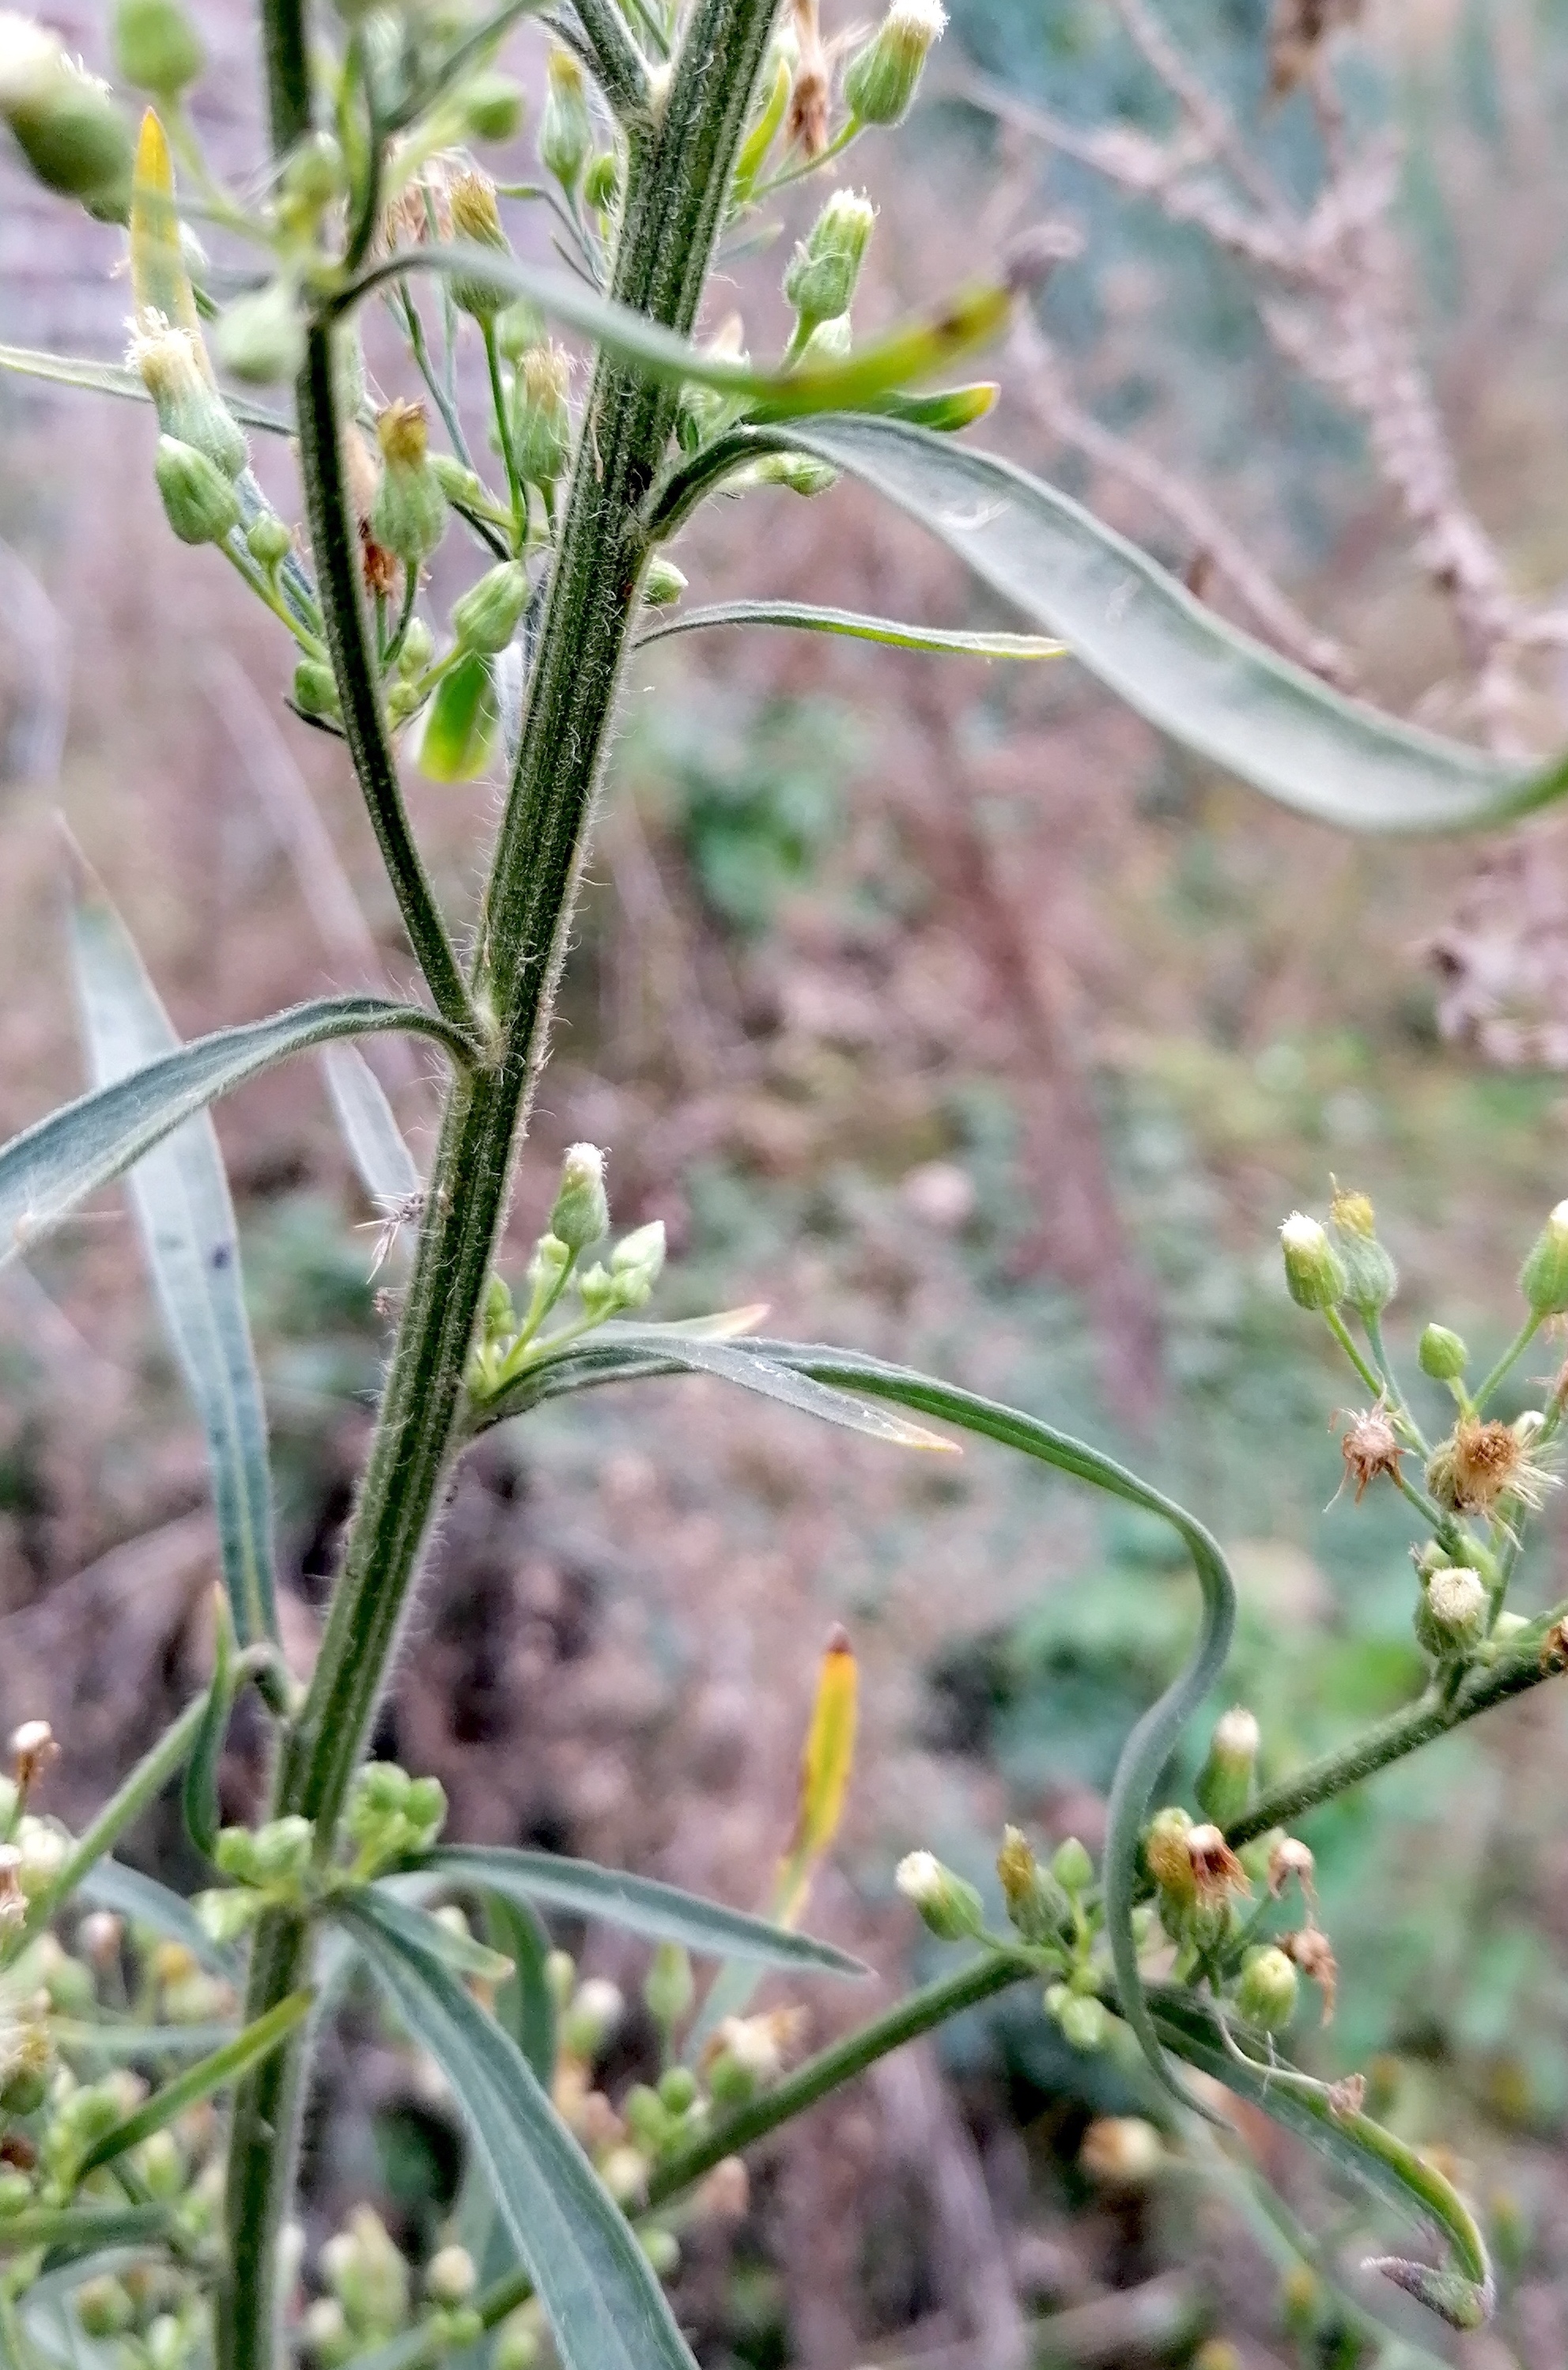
{"type": "Point", "coordinates": [1403, 1731]}
{"type": "Point", "coordinates": [677, 184]}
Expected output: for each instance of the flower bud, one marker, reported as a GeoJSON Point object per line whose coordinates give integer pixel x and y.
{"type": "Point", "coordinates": [1371, 1277]}
{"type": "Point", "coordinates": [1451, 1615]}
{"type": "Point", "coordinates": [157, 47]}
{"type": "Point", "coordinates": [426, 1809]}
{"type": "Point", "coordinates": [477, 218]}
{"type": "Point", "coordinates": [172, 368]}
{"type": "Point", "coordinates": [548, 1264]}
{"type": "Point", "coordinates": [100, 1934]}
{"type": "Point", "coordinates": [463, 488]}
{"type": "Point", "coordinates": [678, 2092]}
{"type": "Point", "coordinates": [1225, 1782]}
{"type": "Point", "coordinates": [1084, 2022]}
{"type": "Point", "coordinates": [160, 2161]}
{"type": "Point", "coordinates": [199, 501]}
{"type": "Point", "coordinates": [450, 2277]}
{"type": "Point", "coordinates": [636, 1264]}
{"type": "Point", "coordinates": [62, 118]}
{"type": "Point", "coordinates": [367, 2273]}
{"type": "Point", "coordinates": [581, 1213]}
{"type": "Point", "coordinates": [408, 517]}
{"type": "Point", "coordinates": [1313, 1268]}
{"type": "Point", "coordinates": [282, 1849]}
{"type": "Point", "coordinates": [43, 1847]}
{"type": "Point", "coordinates": [1071, 1866]}
{"type": "Point", "coordinates": [662, 2249]}
{"type": "Point", "coordinates": [1167, 1857]}
{"type": "Point", "coordinates": [1267, 1992]}
{"type": "Point", "coordinates": [492, 106]}
{"type": "Point", "coordinates": [269, 541]}
{"type": "Point", "coordinates": [881, 80]}
{"type": "Point", "coordinates": [1038, 1907]}
{"type": "Point", "coordinates": [561, 1976]}
{"type": "Point", "coordinates": [103, 2308]}
{"type": "Point", "coordinates": [664, 583]}
{"type": "Point", "coordinates": [262, 337]}
{"type": "Point", "coordinates": [1122, 2152]}
{"type": "Point", "coordinates": [325, 2332]}
{"type": "Point", "coordinates": [601, 183]}
{"type": "Point", "coordinates": [228, 1912]}
{"type": "Point", "coordinates": [566, 128]}
{"type": "Point", "coordinates": [541, 415]}
{"type": "Point", "coordinates": [820, 281]}
{"type": "Point", "coordinates": [803, 473]}
{"type": "Point", "coordinates": [314, 178]}
{"type": "Point", "coordinates": [593, 2017]}
{"type": "Point", "coordinates": [419, 647]}
{"type": "Point", "coordinates": [516, 2342]}
{"type": "Point", "coordinates": [315, 688]}
{"type": "Point", "coordinates": [949, 1907]}
{"type": "Point", "coordinates": [1544, 1279]}
{"type": "Point", "coordinates": [1442, 1354]}
{"type": "Point", "coordinates": [488, 615]}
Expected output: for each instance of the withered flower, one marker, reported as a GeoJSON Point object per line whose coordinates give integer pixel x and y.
{"type": "Point", "coordinates": [1312, 1952]}
{"type": "Point", "coordinates": [1482, 1463]}
{"type": "Point", "coordinates": [1216, 1872]}
{"type": "Point", "coordinates": [1371, 1449]}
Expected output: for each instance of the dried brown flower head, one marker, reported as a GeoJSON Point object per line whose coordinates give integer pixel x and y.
{"type": "Point", "coordinates": [807, 124]}
{"type": "Point", "coordinates": [1290, 1857]}
{"type": "Point", "coordinates": [1371, 1449]}
{"type": "Point", "coordinates": [1216, 1872]}
{"type": "Point", "coordinates": [1312, 1952]}
{"type": "Point", "coordinates": [380, 571]}
{"type": "Point", "coordinates": [1348, 2098]}
{"type": "Point", "coordinates": [1480, 1463]}
{"type": "Point", "coordinates": [1554, 1650]}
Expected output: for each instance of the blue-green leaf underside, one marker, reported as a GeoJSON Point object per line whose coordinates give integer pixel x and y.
{"type": "Point", "coordinates": [180, 1192]}
{"type": "Point", "coordinates": [605, 2308]}
{"type": "Point", "coordinates": [638, 1904]}
{"type": "Point", "coordinates": [807, 619]}
{"type": "Point", "coordinates": [1150, 641]}
{"type": "Point", "coordinates": [142, 1900]}
{"type": "Point", "coordinates": [375, 1142]}
{"type": "Point", "coordinates": [47, 1171]}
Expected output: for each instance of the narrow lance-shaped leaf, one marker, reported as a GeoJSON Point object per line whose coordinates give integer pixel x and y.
{"type": "Point", "coordinates": [912, 350]}
{"type": "Point", "coordinates": [605, 2308]}
{"type": "Point", "coordinates": [451, 1944]}
{"type": "Point", "coordinates": [47, 1171]}
{"type": "Point", "coordinates": [1156, 646]}
{"type": "Point", "coordinates": [808, 619]}
{"type": "Point", "coordinates": [221, 2071]}
{"type": "Point", "coordinates": [113, 378]}
{"type": "Point", "coordinates": [83, 2229]}
{"type": "Point", "coordinates": [386, 1166]}
{"type": "Point", "coordinates": [181, 1195]}
{"type": "Point", "coordinates": [458, 731]}
{"type": "Point", "coordinates": [199, 1793]}
{"type": "Point", "coordinates": [638, 1904]}
{"type": "Point", "coordinates": [142, 1900]}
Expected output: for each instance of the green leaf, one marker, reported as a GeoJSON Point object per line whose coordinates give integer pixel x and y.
{"type": "Point", "coordinates": [525, 2005]}
{"type": "Point", "coordinates": [1356, 2146]}
{"type": "Point", "coordinates": [82, 2228]}
{"type": "Point", "coordinates": [386, 1166]}
{"type": "Point", "coordinates": [682, 1351]}
{"type": "Point", "coordinates": [638, 1904]}
{"type": "Point", "coordinates": [45, 1172]}
{"type": "Point", "coordinates": [113, 378]}
{"type": "Point", "coordinates": [221, 2071]}
{"type": "Point", "coordinates": [199, 1794]}
{"type": "Point", "coordinates": [126, 2044]}
{"type": "Point", "coordinates": [1151, 642]}
{"type": "Point", "coordinates": [180, 1192]}
{"type": "Point", "coordinates": [458, 1950]}
{"type": "Point", "coordinates": [812, 620]}
{"type": "Point", "coordinates": [459, 728]}
{"type": "Point", "coordinates": [912, 351]}
{"type": "Point", "coordinates": [605, 2308]}
{"type": "Point", "coordinates": [142, 1900]}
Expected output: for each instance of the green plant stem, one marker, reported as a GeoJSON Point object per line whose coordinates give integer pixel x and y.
{"type": "Point", "coordinates": [334, 547]}
{"type": "Point", "coordinates": [1403, 1731]}
{"type": "Point", "coordinates": [677, 177]}
{"type": "Point", "coordinates": [921, 2012]}
{"type": "Point", "coordinates": [1391, 1390]}
{"type": "Point", "coordinates": [1511, 1356]}
{"type": "Point", "coordinates": [614, 58]}
{"type": "Point", "coordinates": [1344, 1336]}
{"type": "Point", "coordinates": [504, 432]}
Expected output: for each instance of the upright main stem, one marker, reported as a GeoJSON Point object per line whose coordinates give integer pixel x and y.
{"type": "Point", "coordinates": [677, 182]}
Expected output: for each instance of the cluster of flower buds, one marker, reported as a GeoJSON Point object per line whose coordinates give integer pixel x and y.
{"type": "Point", "coordinates": [819, 282]}
{"type": "Point", "coordinates": [67, 126]}
{"type": "Point", "coordinates": [1342, 1264]}
{"type": "Point", "coordinates": [579, 1220]}
{"type": "Point", "coordinates": [367, 2291]}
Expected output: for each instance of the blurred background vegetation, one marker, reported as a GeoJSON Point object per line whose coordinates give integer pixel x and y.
{"type": "Point", "coordinates": [944, 1009]}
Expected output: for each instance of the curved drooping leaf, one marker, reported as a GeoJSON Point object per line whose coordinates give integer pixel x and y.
{"type": "Point", "coordinates": [525, 2003]}
{"type": "Point", "coordinates": [113, 378]}
{"type": "Point", "coordinates": [638, 1904]}
{"type": "Point", "coordinates": [1150, 641]}
{"type": "Point", "coordinates": [375, 1142]}
{"type": "Point", "coordinates": [185, 1215]}
{"type": "Point", "coordinates": [453, 1945]}
{"type": "Point", "coordinates": [807, 619]}
{"type": "Point", "coordinates": [45, 1172]}
{"type": "Point", "coordinates": [458, 731]}
{"type": "Point", "coordinates": [606, 2310]}
{"type": "Point", "coordinates": [199, 1794]}
{"type": "Point", "coordinates": [912, 351]}
{"type": "Point", "coordinates": [219, 2071]}
{"type": "Point", "coordinates": [1356, 2146]}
